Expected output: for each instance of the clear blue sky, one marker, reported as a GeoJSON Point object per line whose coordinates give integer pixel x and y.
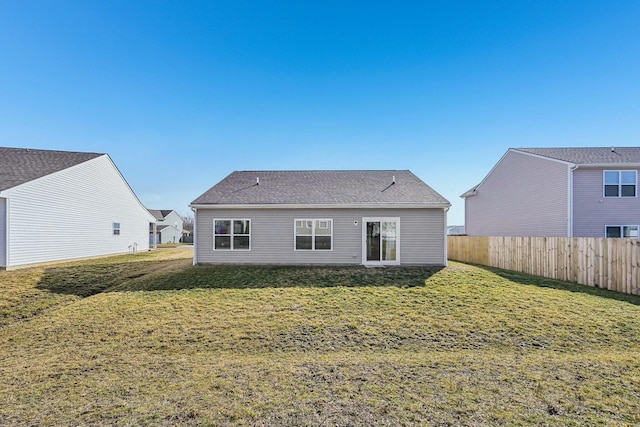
{"type": "Point", "coordinates": [181, 93]}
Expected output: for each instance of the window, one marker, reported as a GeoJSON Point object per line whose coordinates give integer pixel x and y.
{"type": "Point", "coordinates": [232, 234]}
{"type": "Point", "coordinates": [116, 228]}
{"type": "Point", "coordinates": [620, 183]}
{"type": "Point", "coordinates": [313, 234]}
{"type": "Point", "coordinates": [622, 231]}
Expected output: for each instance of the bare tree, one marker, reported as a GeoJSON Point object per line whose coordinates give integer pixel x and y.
{"type": "Point", "coordinates": [187, 223]}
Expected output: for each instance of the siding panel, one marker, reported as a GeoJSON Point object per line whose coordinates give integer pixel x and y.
{"type": "Point", "coordinates": [422, 236]}
{"type": "Point", "coordinates": [592, 211]}
{"type": "Point", "coordinates": [523, 195]}
{"type": "Point", "coordinates": [169, 235]}
{"type": "Point", "coordinates": [69, 214]}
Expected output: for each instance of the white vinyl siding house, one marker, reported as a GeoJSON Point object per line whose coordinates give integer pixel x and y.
{"type": "Point", "coordinates": [571, 192]}
{"type": "Point", "coordinates": [169, 227]}
{"type": "Point", "coordinates": [165, 234]}
{"type": "Point", "coordinates": [71, 213]}
{"type": "Point", "coordinates": [409, 231]}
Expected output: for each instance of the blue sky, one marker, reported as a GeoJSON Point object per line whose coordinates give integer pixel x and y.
{"type": "Point", "coordinates": [181, 93]}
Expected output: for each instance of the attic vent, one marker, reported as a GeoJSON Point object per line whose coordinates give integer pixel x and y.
{"type": "Point", "coordinates": [613, 149]}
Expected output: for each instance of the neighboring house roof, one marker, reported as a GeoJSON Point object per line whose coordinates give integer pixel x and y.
{"type": "Point", "coordinates": [160, 214]}
{"type": "Point", "coordinates": [159, 227]}
{"type": "Point", "coordinates": [332, 187]}
{"type": "Point", "coordinates": [20, 165]}
{"type": "Point", "coordinates": [589, 155]}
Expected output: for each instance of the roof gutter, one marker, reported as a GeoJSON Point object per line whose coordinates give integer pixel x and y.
{"type": "Point", "coordinates": [607, 165]}
{"type": "Point", "coordinates": [323, 206]}
{"type": "Point", "coordinates": [470, 193]}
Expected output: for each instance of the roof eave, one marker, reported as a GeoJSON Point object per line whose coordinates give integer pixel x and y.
{"type": "Point", "coordinates": [469, 193]}
{"type": "Point", "coordinates": [322, 206]}
{"type": "Point", "coordinates": [608, 165]}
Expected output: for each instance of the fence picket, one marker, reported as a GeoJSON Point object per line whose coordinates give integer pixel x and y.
{"type": "Point", "coordinates": [612, 264]}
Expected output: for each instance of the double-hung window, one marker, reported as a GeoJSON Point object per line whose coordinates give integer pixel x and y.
{"type": "Point", "coordinates": [620, 183]}
{"type": "Point", "coordinates": [313, 234]}
{"type": "Point", "coordinates": [116, 228]}
{"type": "Point", "coordinates": [232, 234]}
{"type": "Point", "coordinates": [622, 231]}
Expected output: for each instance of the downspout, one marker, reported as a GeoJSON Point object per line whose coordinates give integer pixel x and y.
{"type": "Point", "coordinates": [195, 235]}
{"type": "Point", "coordinates": [446, 238]}
{"type": "Point", "coordinates": [570, 201]}
{"type": "Point", "coordinates": [155, 236]}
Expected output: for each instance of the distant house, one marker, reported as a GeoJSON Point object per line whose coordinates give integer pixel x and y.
{"type": "Point", "coordinates": [321, 217]}
{"type": "Point", "coordinates": [58, 205]}
{"type": "Point", "coordinates": [169, 227]}
{"type": "Point", "coordinates": [455, 230]}
{"type": "Point", "coordinates": [574, 192]}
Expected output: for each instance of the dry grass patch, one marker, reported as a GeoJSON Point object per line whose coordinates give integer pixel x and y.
{"type": "Point", "coordinates": [222, 345]}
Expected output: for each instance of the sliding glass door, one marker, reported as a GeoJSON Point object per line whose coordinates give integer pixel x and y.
{"type": "Point", "coordinates": [381, 241]}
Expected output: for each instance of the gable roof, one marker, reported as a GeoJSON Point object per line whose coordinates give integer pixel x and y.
{"type": "Point", "coordinates": [588, 155]}
{"type": "Point", "coordinates": [20, 165]}
{"type": "Point", "coordinates": [160, 213]}
{"type": "Point", "coordinates": [580, 156]}
{"type": "Point", "coordinates": [330, 187]}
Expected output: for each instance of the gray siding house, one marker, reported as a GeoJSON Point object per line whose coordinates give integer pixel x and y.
{"type": "Point", "coordinates": [58, 205]}
{"type": "Point", "coordinates": [321, 217]}
{"type": "Point", "coordinates": [565, 192]}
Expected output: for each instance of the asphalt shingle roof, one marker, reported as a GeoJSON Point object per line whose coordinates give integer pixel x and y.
{"type": "Point", "coordinates": [160, 213]}
{"type": "Point", "coordinates": [344, 187]}
{"type": "Point", "coordinates": [20, 165]}
{"type": "Point", "coordinates": [589, 155]}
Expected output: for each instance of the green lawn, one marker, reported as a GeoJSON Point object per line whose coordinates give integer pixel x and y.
{"type": "Point", "coordinates": [151, 340]}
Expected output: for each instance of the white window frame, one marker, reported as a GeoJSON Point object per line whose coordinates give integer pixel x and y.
{"type": "Point", "coordinates": [231, 234]}
{"type": "Point", "coordinates": [620, 184]}
{"type": "Point", "coordinates": [622, 227]}
{"type": "Point", "coordinates": [380, 219]}
{"type": "Point", "coordinates": [115, 228]}
{"type": "Point", "coordinates": [328, 225]}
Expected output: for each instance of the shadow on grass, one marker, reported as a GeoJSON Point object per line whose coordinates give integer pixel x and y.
{"type": "Point", "coordinates": [89, 280]}
{"type": "Point", "coordinates": [526, 279]}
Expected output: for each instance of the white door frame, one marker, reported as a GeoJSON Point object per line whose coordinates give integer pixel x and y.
{"type": "Point", "coordinates": [365, 220]}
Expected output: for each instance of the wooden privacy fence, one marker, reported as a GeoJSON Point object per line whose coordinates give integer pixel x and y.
{"type": "Point", "coordinates": [605, 263]}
